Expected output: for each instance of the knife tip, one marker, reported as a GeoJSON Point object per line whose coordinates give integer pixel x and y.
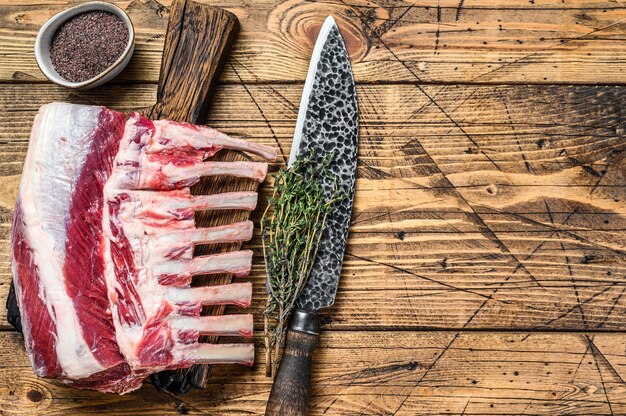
{"type": "Point", "coordinates": [330, 21]}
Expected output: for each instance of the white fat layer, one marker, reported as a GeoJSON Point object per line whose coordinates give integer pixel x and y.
{"type": "Point", "coordinates": [60, 137]}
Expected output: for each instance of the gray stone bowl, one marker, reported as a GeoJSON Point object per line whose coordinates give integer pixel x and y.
{"type": "Point", "coordinates": [48, 30]}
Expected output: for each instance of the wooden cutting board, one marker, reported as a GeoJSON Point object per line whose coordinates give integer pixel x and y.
{"type": "Point", "coordinates": [196, 46]}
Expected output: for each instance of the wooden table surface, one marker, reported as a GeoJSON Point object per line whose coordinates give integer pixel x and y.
{"type": "Point", "coordinates": [485, 271]}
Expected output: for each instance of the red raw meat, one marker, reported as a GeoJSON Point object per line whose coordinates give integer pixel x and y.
{"type": "Point", "coordinates": [102, 247]}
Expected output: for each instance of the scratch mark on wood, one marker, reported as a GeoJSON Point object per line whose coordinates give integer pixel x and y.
{"type": "Point", "coordinates": [572, 309]}
{"type": "Point", "coordinates": [575, 286]}
{"type": "Point", "coordinates": [180, 402]}
{"type": "Point", "coordinates": [549, 211]}
{"type": "Point", "coordinates": [466, 405]}
{"type": "Point", "coordinates": [446, 348]}
{"type": "Point", "coordinates": [594, 352]}
{"type": "Point", "coordinates": [582, 358]}
{"type": "Point", "coordinates": [560, 44]}
{"type": "Point", "coordinates": [508, 114]}
{"type": "Point", "coordinates": [429, 279]}
{"type": "Point", "coordinates": [605, 360]}
{"type": "Point", "coordinates": [370, 372]}
{"type": "Point", "coordinates": [379, 174]}
{"type": "Point", "coordinates": [530, 403]}
{"type": "Point", "coordinates": [438, 31]}
{"type": "Point", "coordinates": [574, 161]}
{"type": "Point", "coordinates": [459, 9]}
{"type": "Point", "coordinates": [387, 28]}
{"type": "Point", "coordinates": [340, 393]}
{"type": "Point", "coordinates": [597, 184]}
{"type": "Point", "coordinates": [273, 90]}
{"type": "Point", "coordinates": [610, 311]}
{"type": "Point", "coordinates": [258, 107]}
{"type": "Point", "coordinates": [409, 299]}
{"type": "Point", "coordinates": [526, 220]}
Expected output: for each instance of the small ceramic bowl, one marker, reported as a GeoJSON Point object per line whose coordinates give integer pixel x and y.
{"type": "Point", "coordinates": [49, 29]}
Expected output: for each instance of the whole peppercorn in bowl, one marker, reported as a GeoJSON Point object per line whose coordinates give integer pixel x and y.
{"type": "Point", "coordinates": [85, 46]}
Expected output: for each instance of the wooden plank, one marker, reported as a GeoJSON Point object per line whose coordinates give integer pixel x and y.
{"type": "Point", "coordinates": [401, 373]}
{"type": "Point", "coordinates": [478, 41]}
{"type": "Point", "coordinates": [493, 207]}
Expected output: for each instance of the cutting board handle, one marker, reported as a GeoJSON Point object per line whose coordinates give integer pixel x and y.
{"type": "Point", "coordinates": [196, 46]}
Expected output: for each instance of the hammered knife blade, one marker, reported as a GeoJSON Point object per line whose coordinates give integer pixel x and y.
{"type": "Point", "coordinates": [327, 124]}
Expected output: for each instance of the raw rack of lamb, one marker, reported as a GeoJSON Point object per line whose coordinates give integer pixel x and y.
{"type": "Point", "coordinates": [102, 247]}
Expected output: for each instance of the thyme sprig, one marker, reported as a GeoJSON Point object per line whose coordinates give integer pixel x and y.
{"type": "Point", "coordinates": [291, 229]}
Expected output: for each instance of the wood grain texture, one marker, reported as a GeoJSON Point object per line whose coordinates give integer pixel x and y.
{"type": "Point", "coordinates": [494, 213]}
{"type": "Point", "coordinates": [507, 213]}
{"type": "Point", "coordinates": [376, 373]}
{"type": "Point", "coordinates": [478, 41]}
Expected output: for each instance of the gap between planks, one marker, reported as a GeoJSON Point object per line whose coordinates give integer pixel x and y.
{"type": "Point", "coordinates": [300, 83]}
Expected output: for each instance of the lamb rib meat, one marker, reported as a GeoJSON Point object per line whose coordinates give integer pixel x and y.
{"type": "Point", "coordinates": [102, 247]}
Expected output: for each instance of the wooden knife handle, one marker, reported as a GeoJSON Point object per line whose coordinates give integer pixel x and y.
{"type": "Point", "coordinates": [196, 46]}
{"type": "Point", "coordinates": [292, 386]}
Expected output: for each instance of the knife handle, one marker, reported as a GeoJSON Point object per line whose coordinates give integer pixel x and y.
{"type": "Point", "coordinates": [292, 386]}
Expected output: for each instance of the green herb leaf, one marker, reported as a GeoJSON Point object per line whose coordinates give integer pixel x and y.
{"type": "Point", "coordinates": [291, 229]}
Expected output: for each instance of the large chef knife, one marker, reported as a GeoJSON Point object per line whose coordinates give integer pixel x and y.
{"type": "Point", "coordinates": [327, 125]}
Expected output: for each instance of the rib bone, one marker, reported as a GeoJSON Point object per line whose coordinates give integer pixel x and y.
{"type": "Point", "coordinates": [241, 231]}
{"type": "Point", "coordinates": [227, 325]}
{"type": "Point", "coordinates": [182, 135]}
{"type": "Point", "coordinates": [214, 354]}
{"type": "Point", "coordinates": [161, 176]}
{"type": "Point", "coordinates": [239, 294]}
{"type": "Point", "coordinates": [237, 263]}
